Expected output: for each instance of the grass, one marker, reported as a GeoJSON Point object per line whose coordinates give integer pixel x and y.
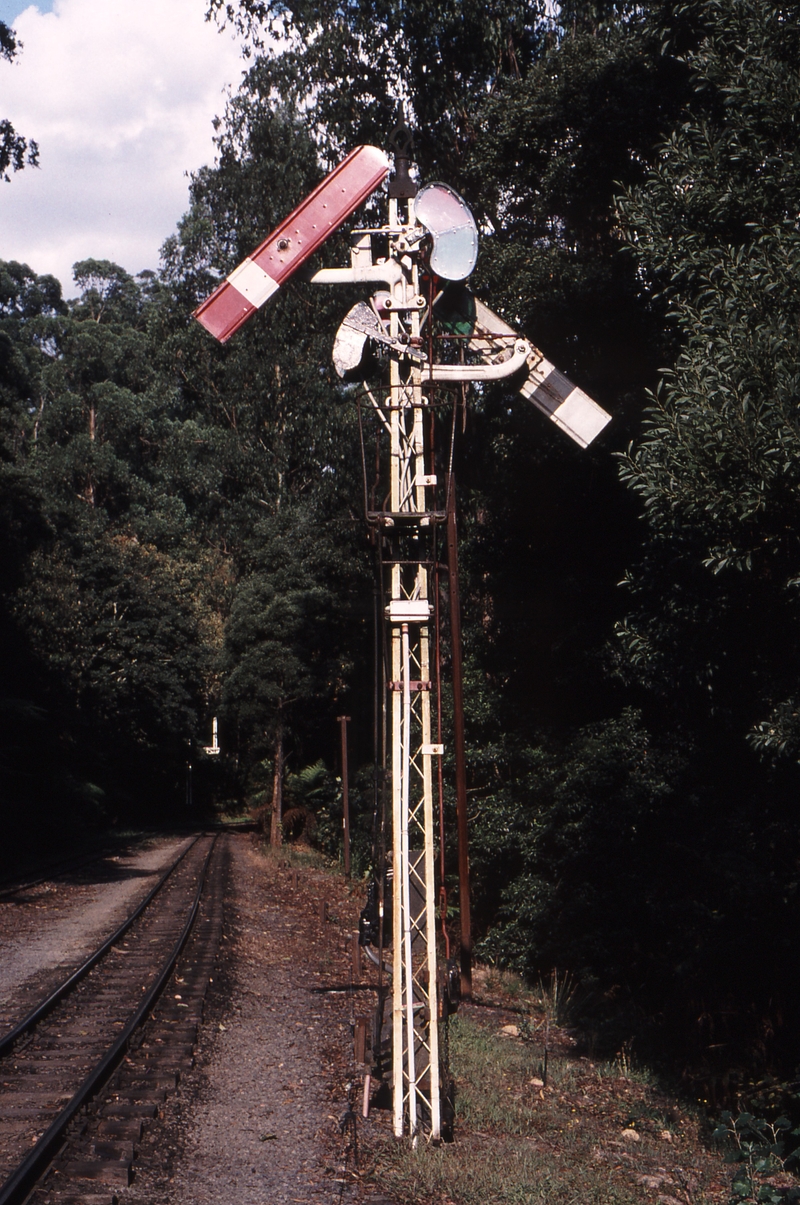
{"type": "Point", "coordinates": [507, 1134]}
{"type": "Point", "coordinates": [499, 1082]}
{"type": "Point", "coordinates": [594, 1133]}
{"type": "Point", "coordinates": [500, 1173]}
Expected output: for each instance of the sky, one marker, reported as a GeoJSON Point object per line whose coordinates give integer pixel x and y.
{"type": "Point", "coordinates": [120, 96]}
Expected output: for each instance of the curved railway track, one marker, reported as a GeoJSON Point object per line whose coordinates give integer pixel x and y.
{"type": "Point", "coordinates": [58, 1062]}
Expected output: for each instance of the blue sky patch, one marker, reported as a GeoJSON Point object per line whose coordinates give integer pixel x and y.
{"type": "Point", "coordinates": [10, 9]}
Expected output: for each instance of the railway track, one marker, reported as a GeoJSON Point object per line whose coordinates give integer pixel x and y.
{"type": "Point", "coordinates": [80, 1076]}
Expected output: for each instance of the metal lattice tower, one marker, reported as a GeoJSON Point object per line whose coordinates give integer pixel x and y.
{"type": "Point", "coordinates": [415, 1011]}
{"type": "Point", "coordinates": [431, 232]}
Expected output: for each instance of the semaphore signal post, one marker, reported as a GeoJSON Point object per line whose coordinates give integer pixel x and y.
{"type": "Point", "coordinates": [410, 347]}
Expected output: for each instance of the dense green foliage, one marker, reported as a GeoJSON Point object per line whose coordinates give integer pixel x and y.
{"type": "Point", "coordinates": [181, 538]}
{"type": "Point", "coordinates": [717, 468]}
{"type": "Point", "coordinates": [106, 587]}
{"type": "Point", "coordinates": [656, 853]}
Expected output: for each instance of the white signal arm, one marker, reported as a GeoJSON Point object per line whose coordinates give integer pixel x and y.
{"type": "Point", "coordinates": [563, 402]}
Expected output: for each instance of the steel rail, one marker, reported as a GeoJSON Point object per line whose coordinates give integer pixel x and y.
{"type": "Point", "coordinates": [58, 993]}
{"type": "Point", "coordinates": [20, 1183]}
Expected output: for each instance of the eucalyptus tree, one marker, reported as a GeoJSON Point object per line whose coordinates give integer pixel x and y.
{"type": "Point", "coordinates": [263, 448]}
{"type": "Point", "coordinates": [351, 68]}
{"type": "Point", "coordinates": [109, 599]}
{"type": "Point", "coordinates": [289, 642]}
{"type": "Point", "coordinates": [30, 313]}
{"type": "Point", "coordinates": [16, 151]}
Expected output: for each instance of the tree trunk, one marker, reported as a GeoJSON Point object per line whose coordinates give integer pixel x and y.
{"type": "Point", "coordinates": [92, 436]}
{"type": "Point", "coordinates": [276, 821]}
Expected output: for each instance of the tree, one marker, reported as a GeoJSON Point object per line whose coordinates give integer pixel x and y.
{"type": "Point", "coordinates": [350, 67]}
{"type": "Point", "coordinates": [711, 639]}
{"type": "Point", "coordinates": [536, 126]}
{"type": "Point", "coordinates": [30, 761]}
{"type": "Point", "coordinates": [31, 309]}
{"type": "Point", "coordinates": [109, 599]}
{"type": "Point", "coordinates": [284, 648]}
{"type": "Point", "coordinates": [15, 151]}
{"type": "Point", "coordinates": [262, 451]}
{"type": "Point", "coordinates": [266, 407]}
{"type": "Point", "coordinates": [717, 467]}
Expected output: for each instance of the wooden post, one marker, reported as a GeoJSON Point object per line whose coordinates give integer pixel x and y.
{"type": "Point", "coordinates": [458, 744]}
{"type": "Point", "coordinates": [343, 720]}
{"type": "Point", "coordinates": [360, 1037]}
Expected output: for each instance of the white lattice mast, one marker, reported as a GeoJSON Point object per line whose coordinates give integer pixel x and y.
{"type": "Point", "coordinates": [415, 1012]}
{"type": "Point", "coordinates": [432, 231]}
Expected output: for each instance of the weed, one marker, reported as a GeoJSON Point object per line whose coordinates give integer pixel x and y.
{"type": "Point", "coordinates": [530, 1029]}
{"type": "Point", "coordinates": [757, 1147]}
{"type": "Point", "coordinates": [506, 988]}
{"type": "Point", "coordinates": [557, 1000]}
{"type": "Point", "coordinates": [503, 1172]}
{"type": "Point", "coordinates": [559, 997]}
{"type": "Point", "coordinates": [598, 1134]}
{"type": "Point", "coordinates": [625, 1065]}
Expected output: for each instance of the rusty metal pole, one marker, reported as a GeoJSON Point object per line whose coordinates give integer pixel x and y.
{"type": "Point", "coordinates": [458, 743]}
{"type": "Point", "coordinates": [343, 720]}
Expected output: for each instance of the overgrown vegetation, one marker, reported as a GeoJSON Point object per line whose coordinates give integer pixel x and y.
{"type": "Point", "coordinates": [762, 1157]}
{"type": "Point", "coordinates": [595, 1131]}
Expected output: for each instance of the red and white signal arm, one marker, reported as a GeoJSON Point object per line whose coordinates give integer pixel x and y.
{"type": "Point", "coordinates": [298, 237]}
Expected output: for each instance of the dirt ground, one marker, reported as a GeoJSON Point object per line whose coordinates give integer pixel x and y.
{"type": "Point", "coordinates": [258, 1118]}
{"type": "Point", "coordinates": [269, 1112]}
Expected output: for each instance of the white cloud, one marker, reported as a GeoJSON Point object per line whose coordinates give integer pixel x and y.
{"type": "Point", "coordinates": [120, 95]}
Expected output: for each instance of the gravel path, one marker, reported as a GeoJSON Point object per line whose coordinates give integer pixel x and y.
{"type": "Point", "coordinates": [47, 930]}
{"type": "Point", "coordinates": [257, 1121]}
